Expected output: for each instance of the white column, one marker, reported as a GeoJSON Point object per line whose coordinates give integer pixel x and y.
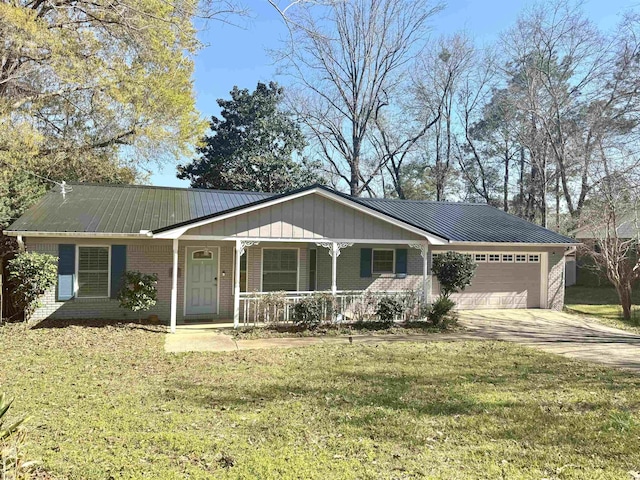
{"type": "Point", "coordinates": [174, 287]}
{"type": "Point", "coordinates": [236, 285]}
{"type": "Point", "coordinates": [426, 278]}
{"type": "Point", "coordinates": [334, 267]}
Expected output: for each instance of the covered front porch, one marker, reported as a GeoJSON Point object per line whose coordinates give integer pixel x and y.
{"type": "Point", "coordinates": [254, 264]}
{"type": "Point", "coordinates": [250, 281]}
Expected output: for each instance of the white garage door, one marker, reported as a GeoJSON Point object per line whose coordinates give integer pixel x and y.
{"type": "Point", "coordinates": [502, 283]}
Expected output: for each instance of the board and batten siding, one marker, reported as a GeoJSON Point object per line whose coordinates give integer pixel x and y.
{"type": "Point", "coordinates": [309, 217]}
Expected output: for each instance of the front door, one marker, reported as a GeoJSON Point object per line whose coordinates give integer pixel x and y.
{"type": "Point", "coordinates": [202, 281]}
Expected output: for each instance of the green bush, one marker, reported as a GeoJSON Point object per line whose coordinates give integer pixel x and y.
{"type": "Point", "coordinates": [138, 292]}
{"type": "Point", "coordinates": [388, 309]}
{"type": "Point", "coordinates": [454, 272]}
{"type": "Point", "coordinates": [312, 311]}
{"type": "Point", "coordinates": [31, 274]}
{"type": "Point", "coordinates": [441, 313]}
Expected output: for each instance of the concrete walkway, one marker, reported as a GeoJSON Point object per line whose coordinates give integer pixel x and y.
{"type": "Point", "coordinates": [554, 332]}
{"type": "Point", "coordinates": [215, 341]}
{"type": "Point", "coordinates": [557, 332]}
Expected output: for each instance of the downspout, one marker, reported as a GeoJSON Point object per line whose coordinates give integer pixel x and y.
{"type": "Point", "coordinates": [20, 243]}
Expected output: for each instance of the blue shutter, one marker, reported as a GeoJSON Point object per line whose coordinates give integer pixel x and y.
{"type": "Point", "coordinates": [66, 271]}
{"type": "Point", "coordinates": [401, 261]}
{"type": "Point", "coordinates": [365, 262]}
{"type": "Point", "coordinates": [118, 267]}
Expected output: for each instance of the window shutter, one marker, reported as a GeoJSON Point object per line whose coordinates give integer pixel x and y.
{"type": "Point", "coordinates": [118, 267]}
{"type": "Point", "coordinates": [365, 262]}
{"type": "Point", "coordinates": [66, 271]}
{"type": "Point", "coordinates": [401, 261]}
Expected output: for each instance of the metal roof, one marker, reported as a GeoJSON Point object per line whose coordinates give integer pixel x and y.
{"type": "Point", "coordinates": [119, 209]}
{"type": "Point", "coordinates": [125, 208]}
{"type": "Point", "coordinates": [466, 222]}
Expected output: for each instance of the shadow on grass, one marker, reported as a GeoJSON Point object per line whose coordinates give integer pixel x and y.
{"type": "Point", "coordinates": [335, 329]}
{"type": "Point", "coordinates": [94, 323]}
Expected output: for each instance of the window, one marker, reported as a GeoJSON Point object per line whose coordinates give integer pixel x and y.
{"type": "Point", "coordinates": [480, 257]}
{"type": "Point", "coordinates": [507, 257]}
{"type": "Point", "coordinates": [313, 268]}
{"type": "Point", "coordinates": [382, 261]}
{"type": "Point", "coordinates": [521, 258]}
{"type": "Point", "coordinates": [202, 255]}
{"type": "Point", "coordinates": [93, 272]}
{"type": "Point", "coordinates": [279, 270]}
{"type": "Point", "coordinates": [494, 257]}
{"type": "Point", "coordinates": [243, 272]}
{"type": "Point", "coordinates": [534, 258]}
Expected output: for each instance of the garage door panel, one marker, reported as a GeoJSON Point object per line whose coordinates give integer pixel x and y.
{"type": "Point", "coordinates": [500, 285]}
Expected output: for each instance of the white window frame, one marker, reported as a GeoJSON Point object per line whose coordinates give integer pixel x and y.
{"type": "Point", "coordinates": [516, 255]}
{"type": "Point", "coordinates": [502, 259]}
{"type": "Point", "coordinates": [262, 265]}
{"type": "Point", "coordinates": [393, 265]}
{"type": "Point", "coordinates": [76, 285]}
{"type": "Point", "coordinates": [475, 257]}
{"type": "Point", "coordinates": [489, 255]}
{"type": "Point", "coordinates": [529, 255]}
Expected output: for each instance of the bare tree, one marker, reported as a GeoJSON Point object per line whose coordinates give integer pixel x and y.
{"type": "Point", "coordinates": [614, 226]}
{"type": "Point", "coordinates": [348, 59]}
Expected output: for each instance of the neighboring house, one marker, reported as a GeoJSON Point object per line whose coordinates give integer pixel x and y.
{"type": "Point", "coordinates": [580, 269]}
{"type": "Point", "coordinates": [216, 251]}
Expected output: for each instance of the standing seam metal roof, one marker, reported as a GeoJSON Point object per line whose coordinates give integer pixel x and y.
{"type": "Point", "coordinates": [130, 209]}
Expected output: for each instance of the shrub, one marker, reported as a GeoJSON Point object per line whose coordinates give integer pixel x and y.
{"type": "Point", "coordinates": [12, 466]}
{"type": "Point", "coordinates": [271, 306]}
{"type": "Point", "coordinates": [388, 309]}
{"type": "Point", "coordinates": [31, 274]}
{"type": "Point", "coordinates": [138, 292]}
{"type": "Point", "coordinates": [454, 272]}
{"type": "Point", "coordinates": [441, 313]}
{"type": "Point", "coordinates": [313, 310]}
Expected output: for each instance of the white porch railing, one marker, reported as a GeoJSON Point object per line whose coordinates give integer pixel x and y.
{"type": "Point", "coordinates": [345, 306]}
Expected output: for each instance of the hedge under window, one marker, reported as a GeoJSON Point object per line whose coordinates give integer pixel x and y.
{"type": "Point", "coordinates": [93, 272]}
{"type": "Point", "coordinates": [279, 270]}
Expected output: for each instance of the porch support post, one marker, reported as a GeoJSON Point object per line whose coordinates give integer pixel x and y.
{"type": "Point", "coordinates": [335, 251]}
{"type": "Point", "coordinates": [426, 278]}
{"type": "Point", "coordinates": [236, 285]}
{"type": "Point", "coordinates": [174, 287]}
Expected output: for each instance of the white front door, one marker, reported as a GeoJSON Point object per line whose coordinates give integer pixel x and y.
{"type": "Point", "coordinates": [202, 281]}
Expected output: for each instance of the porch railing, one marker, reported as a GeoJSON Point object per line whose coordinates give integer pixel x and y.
{"type": "Point", "coordinates": [345, 306]}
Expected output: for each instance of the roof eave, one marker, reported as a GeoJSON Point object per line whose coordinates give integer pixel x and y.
{"type": "Point", "coordinates": [30, 233]}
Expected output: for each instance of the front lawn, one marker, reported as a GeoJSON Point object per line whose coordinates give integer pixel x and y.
{"type": "Point", "coordinates": [602, 303]}
{"type": "Point", "coordinates": [109, 403]}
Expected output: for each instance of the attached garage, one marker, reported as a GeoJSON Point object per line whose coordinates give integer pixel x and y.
{"type": "Point", "coordinates": [503, 279]}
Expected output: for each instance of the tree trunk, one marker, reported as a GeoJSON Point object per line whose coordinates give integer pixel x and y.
{"type": "Point", "coordinates": [505, 192]}
{"type": "Point", "coordinates": [624, 294]}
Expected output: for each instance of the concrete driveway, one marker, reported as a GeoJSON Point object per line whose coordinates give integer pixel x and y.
{"type": "Point", "coordinates": [557, 332]}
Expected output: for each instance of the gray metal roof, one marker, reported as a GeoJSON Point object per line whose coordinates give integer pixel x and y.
{"type": "Point", "coordinates": [130, 209]}
{"type": "Point", "coordinates": [466, 222]}
{"type": "Point", "coordinates": [126, 208]}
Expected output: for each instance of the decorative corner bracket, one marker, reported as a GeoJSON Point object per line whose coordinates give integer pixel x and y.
{"type": "Point", "coordinates": [244, 244]}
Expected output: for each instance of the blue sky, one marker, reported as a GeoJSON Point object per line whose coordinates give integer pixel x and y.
{"type": "Point", "coordinates": [238, 55]}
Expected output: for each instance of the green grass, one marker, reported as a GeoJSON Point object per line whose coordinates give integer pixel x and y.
{"type": "Point", "coordinates": [109, 403]}
{"type": "Point", "coordinates": [602, 303]}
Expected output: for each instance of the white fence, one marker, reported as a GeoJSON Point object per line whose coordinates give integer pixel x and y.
{"type": "Point", "coordinates": [345, 306]}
